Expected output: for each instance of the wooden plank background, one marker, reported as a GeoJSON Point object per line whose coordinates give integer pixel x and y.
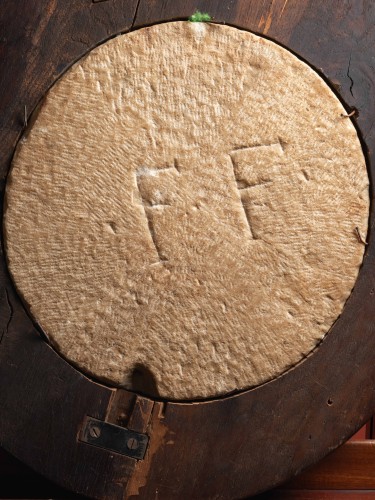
{"type": "Point", "coordinates": [348, 472]}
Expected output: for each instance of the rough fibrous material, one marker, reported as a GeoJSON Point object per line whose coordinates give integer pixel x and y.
{"type": "Point", "coordinates": [186, 201]}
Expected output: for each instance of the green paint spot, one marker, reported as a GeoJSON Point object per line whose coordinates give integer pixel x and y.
{"type": "Point", "coordinates": [200, 17]}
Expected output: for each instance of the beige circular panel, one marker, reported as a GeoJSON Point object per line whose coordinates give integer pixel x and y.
{"type": "Point", "coordinates": [186, 203]}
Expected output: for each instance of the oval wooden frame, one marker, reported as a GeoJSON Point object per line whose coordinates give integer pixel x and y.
{"type": "Point", "coordinates": [226, 448]}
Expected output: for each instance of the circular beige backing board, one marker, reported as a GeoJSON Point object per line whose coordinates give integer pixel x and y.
{"type": "Point", "coordinates": [185, 206]}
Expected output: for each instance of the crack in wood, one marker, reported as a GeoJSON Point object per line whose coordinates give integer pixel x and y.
{"type": "Point", "coordinates": [135, 14]}
{"type": "Point", "coordinates": [348, 75]}
{"type": "Point", "coordinates": [11, 312]}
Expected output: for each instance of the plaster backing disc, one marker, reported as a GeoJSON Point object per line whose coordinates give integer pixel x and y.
{"type": "Point", "coordinates": [185, 203]}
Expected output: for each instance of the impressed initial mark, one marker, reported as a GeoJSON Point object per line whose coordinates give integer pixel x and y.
{"type": "Point", "coordinates": [155, 196]}
{"type": "Point", "coordinates": [254, 166]}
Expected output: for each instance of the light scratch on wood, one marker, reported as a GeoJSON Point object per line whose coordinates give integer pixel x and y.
{"type": "Point", "coordinates": [269, 19]}
{"type": "Point", "coordinates": [282, 10]}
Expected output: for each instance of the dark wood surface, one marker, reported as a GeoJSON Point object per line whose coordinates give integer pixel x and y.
{"type": "Point", "coordinates": [347, 473]}
{"type": "Point", "coordinates": [352, 467]}
{"type": "Point", "coordinates": [232, 447]}
{"type": "Point", "coordinates": [317, 495]}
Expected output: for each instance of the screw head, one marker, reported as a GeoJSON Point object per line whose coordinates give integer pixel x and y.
{"type": "Point", "coordinates": [132, 444]}
{"type": "Point", "coordinates": [94, 431]}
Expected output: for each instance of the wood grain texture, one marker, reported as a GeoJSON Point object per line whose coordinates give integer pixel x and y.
{"type": "Point", "coordinates": [229, 448]}
{"type": "Point", "coordinates": [316, 495]}
{"type": "Point", "coordinates": [350, 467]}
{"type": "Point", "coordinates": [19, 481]}
{"type": "Point", "coordinates": [363, 433]}
{"type": "Point", "coordinates": [43, 400]}
{"type": "Point", "coordinates": [39, 41]}
{"type": "Point", "coordinates": [308, 29]}
{"type": "Point", "coordinates": [226, 173]}
{"type": "Point", "coordinates": [347, 473]}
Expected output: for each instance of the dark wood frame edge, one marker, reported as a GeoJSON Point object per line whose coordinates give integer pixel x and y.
{"type": "Point", "coordinates": [26, 362]}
